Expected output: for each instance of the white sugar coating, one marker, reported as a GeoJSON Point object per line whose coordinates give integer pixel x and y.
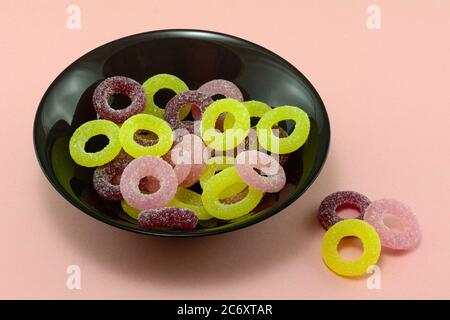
{"type": "Point", "coordinates": [246, 161]}
{"type": "Point", "coordinates": [408, 237]}
{"type": "Point", "coordinates": [148, 166]}
{"type": "Point", "coordinates": [222, 87]}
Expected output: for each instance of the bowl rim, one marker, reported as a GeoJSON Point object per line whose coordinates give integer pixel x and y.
{"type": "Point", "coordinates": [179, 234]}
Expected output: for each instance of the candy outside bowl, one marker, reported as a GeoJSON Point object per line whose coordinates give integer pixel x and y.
{"type": "Point", "coordinates": [196, 57]}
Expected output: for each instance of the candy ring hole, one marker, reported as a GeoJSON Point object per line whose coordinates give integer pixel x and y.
{"type": "Point", "coordinates": [218, 97]}
{"type": "Point", "coordinates": [96, 143]}
{"type": "Point", "coordinates": [145, 135]}
{"type": "Point", "coordinates": [219, 122]}
{"type": "Point", "coordinates": [288, 125]}
{"type": "Point", "coordinates": [350, 248]}
{"type": "Point", "coordinates": [149, 185]}
{"type": "Point", "coordinates": [119, 101]}
{"type": "Point", "coordinates": [348, 211]}
{"type": "Point", "coordinates": [392, 223]}
{"type": "Point", "coordinates": [260, 172]}
{"type": "Point", "coordinates": [163, 96]}
{"type": "Point", "coordinates": [189, 116]}
{"type": "Point", "coordinates": [236, 198]}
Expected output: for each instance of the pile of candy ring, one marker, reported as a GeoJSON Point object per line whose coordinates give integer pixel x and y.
{"type": "Point", "coordinates": [369, 227]}
{"type": "Point", "coordinates": [154, 155]}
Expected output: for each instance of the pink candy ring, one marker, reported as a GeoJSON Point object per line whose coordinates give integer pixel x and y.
{"type": "Point", "coordinates": [223, 87]}
{"type": "Point", "coordinates": [172, 218]}
{"type": "Point", "coordinates": [118, 85]}
{"type": "Point", "coordinates": [143, 167]}
{"type": "Point", "coordinates": [247, 161]}
{"type": "Point", "coordinates": [107, 177]}
{"type": "Point", "coordinates": [327, 210]}
{"type": "Point", "coordinates": [251, 143]}
{"type": "Point", "coordinates": [404, 239]}
{"type": "Point", "coordinates": [176, 157]}
{"type": "Point", "coordinates": [198, 102]}
{"type": "Point", "coordinates": [191, 151]}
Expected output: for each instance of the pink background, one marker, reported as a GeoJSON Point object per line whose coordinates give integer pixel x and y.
{"type": "Point", "coordinates": [388, 97]}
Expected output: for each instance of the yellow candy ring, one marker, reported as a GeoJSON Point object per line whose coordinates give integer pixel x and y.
{"type": "Point", "coordinates": [129, 210]}
{"type": "Point", "coordinates": [185, 198]}
{"type": "Point", "coordinates": [150, 123]}
{"type": "Point", "coordinates": [216, 185]}
{"type": "Point", "coordinates": [231, 137]}
{"type": "Point", "coordinates": [269, 141]}
{"type": "Point", "coordinates": [163, 81]}
{"type": "Point", "coordinates": [91, 129]}
{"type": "Point", "coordinates": [256, 109]}
{"type": "Point", "coordinates": [351, 228]}
{"type": "Point", "coordinates": [218, 163]}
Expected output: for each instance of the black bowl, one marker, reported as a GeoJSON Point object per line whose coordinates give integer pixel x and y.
{"type": "Point", "coordinates": [196, 57]}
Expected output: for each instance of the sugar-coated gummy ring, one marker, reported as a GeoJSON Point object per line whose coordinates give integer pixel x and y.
{"type": "Point", "coordinates": [295, 140]}
{"type": "Point", "coordinates": [404, 239]}
{"type": "Point", "coordinates": [148, 166]}
{"type": "Point", "coordinates": [251, 143]}
{"type": "Point", "coordinates": [327, 209]}
{"type": "Point", "coordinates": [103, 176]}
{"type": "Point", "coordinates": [91, 129]}
{"type": "Point", "coordinates": [150, 123]}
{"type": "Point", "coordinates": [247, 161]}
{"type": "Point", "coordinates": [118, 85]}
{"type": "Point", "coordinates": [256, 109]}
{"type": "Point", "coordinates": [129, 210]}
{"type": "Point", "coordinates": [216, 185]}
{"type": "Point", "coordinates": [223, 87]}
{"type": "Point", "coordinates": [162, 81]}
{"type": "Point", "coordinates": [195, 154]}
{"type": "Point", "coordinates": [169, 217]}
{"type": "Point", "coordinates": [185, 198]}
{"type": "Point", "coordinates": [198, 101]}
{"type": "Point", "coordinates": [231, 137]}
{"type": "Point", "coordinates": [351, 228]}
{"type": "Point", "coordinates": [219, 163]}
{"type": "Point", "coordinates": [187, 158]}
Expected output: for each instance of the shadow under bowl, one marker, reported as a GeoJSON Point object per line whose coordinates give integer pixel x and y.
{"type": "Point", "coordinates": [196, 57]}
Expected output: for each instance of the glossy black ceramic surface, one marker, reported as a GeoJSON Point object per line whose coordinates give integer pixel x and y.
{"type": "Point", "coordinates": [196, 57]}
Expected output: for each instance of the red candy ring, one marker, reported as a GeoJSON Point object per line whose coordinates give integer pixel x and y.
{"type": "Point", "coordinates": [118, 85]}
{"type": "Point", "coordinates": [198, 102]}
{"type": "Point", "coordinates": [251, 143]}
{"type": "Point", "coordinates": [172, 218]}
{"type": "Point", "coordinates": [327, 210]}
{"type": "Point", "coordinates": [105, 178]}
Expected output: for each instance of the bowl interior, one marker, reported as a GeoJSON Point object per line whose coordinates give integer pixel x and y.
{"type": "Point", "coordinates": [196, 57]}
